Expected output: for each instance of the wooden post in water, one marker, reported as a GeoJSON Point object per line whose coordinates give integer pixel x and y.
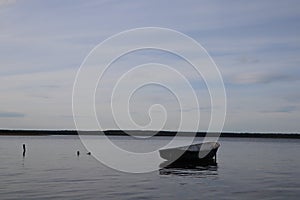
{"type": "Point", "coordinates": [216, 158]}
{"type": "Point", "coordinates": [24, 150]}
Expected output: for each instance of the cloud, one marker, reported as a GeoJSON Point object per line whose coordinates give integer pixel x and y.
{"type": "Point", "coordinates": [6, 2]}
{"type": "Point", "coordinates": [11, 114]}
{"type": "Point", "coordinates": [293, 96]}
{"type": "Point", "coordinates": [262, 78]}
{"type": "Point", "coordinates": [254, 43]}
{"type": "Point", "coordinates": [283, 109]}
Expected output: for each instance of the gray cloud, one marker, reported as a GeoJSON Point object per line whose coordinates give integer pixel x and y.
{"type": "Point", "coordinates": [254, 43]}
{"type": "Point", "coordinates": [283, 109]}
{"type": "Point", "coordinates": [294, 97]}
{"type": "Point", "coordinates": [247, 60]}
{"type": "Point", "coordinates": [262, 78]}
{"type": "Point", "coordinates": [11, 114]}
{"type": "Point", "coordinates": [6, 2]}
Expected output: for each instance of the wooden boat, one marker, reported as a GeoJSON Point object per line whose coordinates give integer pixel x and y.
{"type": "Point", "coordinates": [201, 153]}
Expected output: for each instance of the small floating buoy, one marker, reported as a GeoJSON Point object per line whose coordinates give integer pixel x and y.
{"type": "Point", "coordinates": [78, 153]}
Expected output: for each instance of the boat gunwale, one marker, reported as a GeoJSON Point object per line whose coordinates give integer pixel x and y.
{"type": "Point", "coordinates": [215, 145]}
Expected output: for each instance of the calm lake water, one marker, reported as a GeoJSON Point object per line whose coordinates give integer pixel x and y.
{"type": "Point", "coordinates": [247, 169]}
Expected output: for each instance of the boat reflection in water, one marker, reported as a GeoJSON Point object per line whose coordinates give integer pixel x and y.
{"type": "Point", "coordinates": [194, 160]}
{"type": "Point", "coordinates": [195, 169]}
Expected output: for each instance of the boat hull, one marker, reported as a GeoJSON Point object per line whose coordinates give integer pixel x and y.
{"type": "Point", "coordinates": [192, 154]}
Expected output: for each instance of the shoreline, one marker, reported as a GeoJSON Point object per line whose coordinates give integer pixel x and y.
{"type": "Point", "coordinates": [5, 132]}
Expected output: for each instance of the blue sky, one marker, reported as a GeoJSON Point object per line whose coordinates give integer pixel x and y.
{"type": "Point", "coordinates": [255, 44]}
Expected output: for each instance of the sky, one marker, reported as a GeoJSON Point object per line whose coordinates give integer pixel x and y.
{"type": "Point", "coordinates": [255, 44]}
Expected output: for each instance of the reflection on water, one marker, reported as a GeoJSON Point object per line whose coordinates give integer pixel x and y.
{"type": "Point", "coordinates": [197, 170]}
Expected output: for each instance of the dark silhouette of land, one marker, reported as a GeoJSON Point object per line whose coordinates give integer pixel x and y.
{"type": "Point", "coordinates": [144, 133]}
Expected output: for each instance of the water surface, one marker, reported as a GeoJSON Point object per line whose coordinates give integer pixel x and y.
{"type": "Point", "coordinates": [247, 169]}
